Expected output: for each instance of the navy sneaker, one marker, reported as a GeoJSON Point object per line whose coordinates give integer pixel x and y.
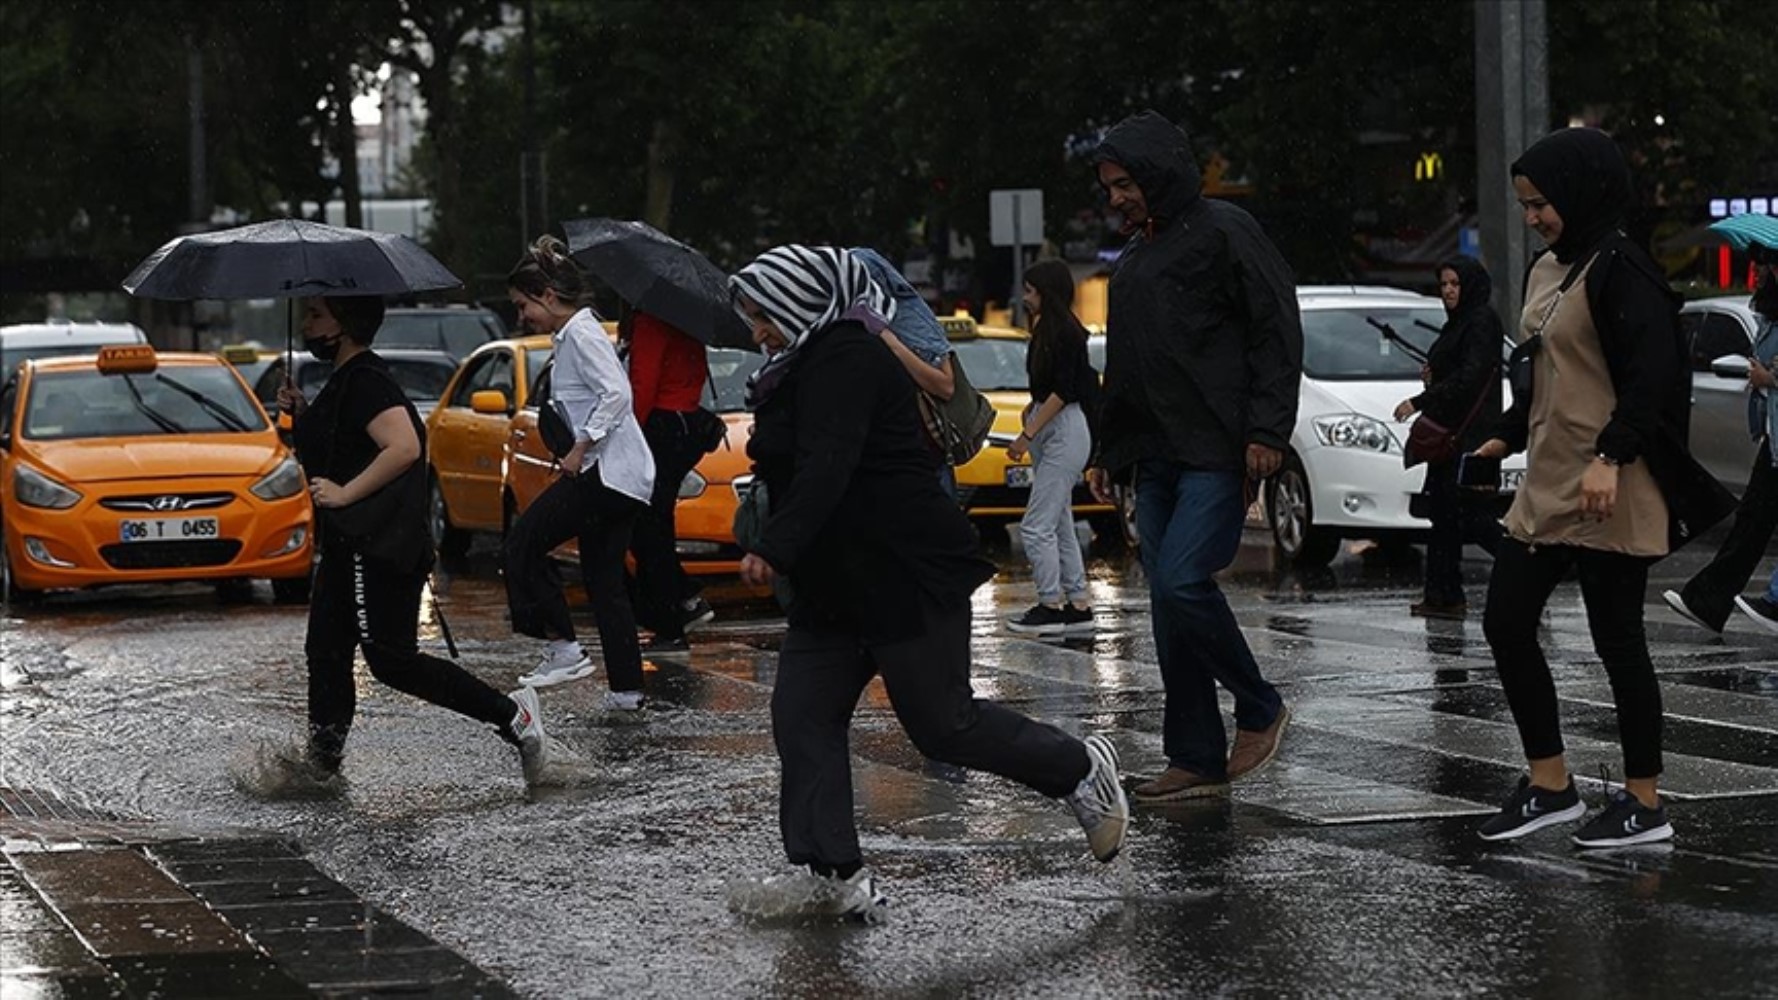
{"type": "Point", "coordinates": [1530, 809]}
{"type": "Point", "coordinates": [1623, 822]}
{"type": "Point", "coordinates": [1040, 620]}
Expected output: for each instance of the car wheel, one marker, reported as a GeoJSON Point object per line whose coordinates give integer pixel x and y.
{"type": "Point", "coordinates": [451, 542]}
{"type": "Point", "coordinates": [10, 591]}
{"type": "Point", "coordinates": [294, 590]}
{"type": "Point", "coordinates": [1291, 510]}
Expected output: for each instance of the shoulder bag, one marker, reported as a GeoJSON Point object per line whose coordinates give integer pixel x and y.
{"type": "Point", "coordinates": [959, 425]}
{"type": "Point", "coordinates": [389, 525]}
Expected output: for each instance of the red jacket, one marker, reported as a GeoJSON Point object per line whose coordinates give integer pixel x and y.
{"type": "Point", "coordinates": [668, 368]}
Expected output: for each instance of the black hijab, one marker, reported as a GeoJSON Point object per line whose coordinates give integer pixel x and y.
{"type": "Point", "coordinates": [1474, 287]}
{"type": "Point", "coordinates": [1583, 174]}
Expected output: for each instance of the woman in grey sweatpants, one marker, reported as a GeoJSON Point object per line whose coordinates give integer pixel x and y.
{"type": "Point", "coordinates": [1064, 388]}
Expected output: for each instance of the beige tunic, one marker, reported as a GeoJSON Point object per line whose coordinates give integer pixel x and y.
{"type": "Point", "coordinates": [1571, 402]}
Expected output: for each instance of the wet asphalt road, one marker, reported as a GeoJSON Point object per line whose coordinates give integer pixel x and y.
{"type": "Point", "coordinates": [1347, 869]}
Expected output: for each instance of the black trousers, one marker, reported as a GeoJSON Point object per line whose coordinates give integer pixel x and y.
{"type": "Point", "coordinates": [820, 676]}
{"type": "Point", "coordinates": [661, 581]}
{"type": "Point", "coordinates": [1459, 517]}
{"type": "Point", "coordinates": [599, 519]}
{"type": "Point", "coordinates": [359, 603]}
{"type": "Point", "coordinates": [1611, 586]}
{"type": "Point", "coordinates": [1711, 593]}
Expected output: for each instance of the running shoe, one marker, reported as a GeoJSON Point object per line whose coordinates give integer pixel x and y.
{"type": "Point", "coordinates": [562, 662]}
{"type": "Point", "coordinates": [1530, 809]}
{"type": "Point", "coordinates": [1098, 801]}
{"type": "Point", "coordinates": [1623, 822]}
{"type": "Point", "coordinates": [1763, 612]}
{"type": "Point", "coordinates": [1677, 603]}
{"type": "Point", "coordinates": [527, 728]}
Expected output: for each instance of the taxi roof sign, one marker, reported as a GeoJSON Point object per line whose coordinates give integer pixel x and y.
{"type": "Point", "coordinates": [240, 354]}
{"type": "Point", "coordinates": [127, 359]}
{"type": "Point", "coordinates": [957, 327]}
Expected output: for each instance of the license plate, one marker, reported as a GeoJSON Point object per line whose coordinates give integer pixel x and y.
{"type": "Point", "coordinates": [169, 529]}
{"type": "Point", "coordinates": [1018, 476]}
{"type": "Point", "coordinates": [1511, 480]}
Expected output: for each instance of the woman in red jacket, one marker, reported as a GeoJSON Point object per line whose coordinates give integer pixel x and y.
{"type": "Point", "coordinates": [668, 372]}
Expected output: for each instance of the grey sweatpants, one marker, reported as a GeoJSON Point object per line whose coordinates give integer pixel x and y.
{"type": "Point", "coordinates": [1059, 455]}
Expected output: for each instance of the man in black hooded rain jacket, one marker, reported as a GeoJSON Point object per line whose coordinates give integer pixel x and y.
{"type": "Point", "coordinates": [1203, 360]}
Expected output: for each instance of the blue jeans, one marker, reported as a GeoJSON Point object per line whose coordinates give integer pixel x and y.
{"type": "Point", "coordinates": [1190, 524]}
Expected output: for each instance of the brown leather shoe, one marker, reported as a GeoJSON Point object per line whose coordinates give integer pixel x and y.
{"type": "Point", "coordinates": [1177, 784]}
{"type": "Point", "coordinates": [1427, 609]}
{"type": "Point", "coordinates": [1254, 750]}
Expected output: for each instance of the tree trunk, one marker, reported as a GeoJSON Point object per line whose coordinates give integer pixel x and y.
{"type": "Point", "coordinates": [345, 147]}
{"type": "Point", "coordinates": [663, 155]}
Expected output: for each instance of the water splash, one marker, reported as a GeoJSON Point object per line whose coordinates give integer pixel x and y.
{"type": "Point", "coordinates": [801, 897]}
{"type": "Point", "coordinates": [283, 773]}
{"type": "Point", "coordinates": [562, 767]}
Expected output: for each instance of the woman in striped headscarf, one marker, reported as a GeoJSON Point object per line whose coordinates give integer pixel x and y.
{"type": "Point", "coordinates": [883, 566]}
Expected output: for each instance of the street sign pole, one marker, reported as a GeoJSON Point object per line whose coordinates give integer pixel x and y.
{"type": "Point", "coordinates": [1013, 214]}
{"type": "Point", "coordinates": [1018, 267]}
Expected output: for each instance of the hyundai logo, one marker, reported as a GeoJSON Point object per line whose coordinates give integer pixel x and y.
{"type": "Point", "coordinates": [168, 503]}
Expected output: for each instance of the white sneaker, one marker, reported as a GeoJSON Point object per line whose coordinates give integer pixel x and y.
{"type": "Point", "coordinates": [1099, 802]}
{"type": "Point", "coordinates": [1677, 603]}
{"type": "Point", "coordinates": [623, 701]}
{"type": "Point", "coordinates": [803, 894]}
{"type": "Point", "coordinates": [563, 661]}
{"type": "Point", "coordinates": [527, 726]}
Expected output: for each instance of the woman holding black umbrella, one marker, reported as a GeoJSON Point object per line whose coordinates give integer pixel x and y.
{"type": "Point", "coordinates": [360, 443]}
{"type": "Point", "coordinates": [607, 477]}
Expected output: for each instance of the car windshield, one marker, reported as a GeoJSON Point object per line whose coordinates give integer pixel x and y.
{"type": "Point", "coordinates": [422, 379]}
{"type": "Point", "coordinates": [993, 364]}
{"type": "Point", "coordinates": [1343, 344]}
{"type": "Point", "coordinates": [456, 332]}
{"type": "Point", "coordinates": [729, 371]}
{"type": "Point", "coordinates": [172, 400]}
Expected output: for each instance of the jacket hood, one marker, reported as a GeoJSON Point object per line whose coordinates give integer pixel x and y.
{"type": "Point", "coordinates": [1475, 286]}
{"type": "Point", "coordinates": [1583, 174]}
{"type": "Point", "coordinates": [1158, 155]}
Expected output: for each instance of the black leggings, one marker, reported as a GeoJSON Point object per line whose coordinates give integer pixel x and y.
{"type": "Point", "coordinates": [1711, 593]}
{"type": "Point", "coordinates": [599, 519]}
{"type": "Point", "coordinates": [358, 602]}
{"type": "Point", "coordinates": [661, 580]}
{"type": "Point", "coordinates": [1611, 585]}
{"type": "Point", "coordinates": [1458, 516]}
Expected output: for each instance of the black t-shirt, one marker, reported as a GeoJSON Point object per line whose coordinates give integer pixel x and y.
{"type": "Point", "coordinates": [332, 437]}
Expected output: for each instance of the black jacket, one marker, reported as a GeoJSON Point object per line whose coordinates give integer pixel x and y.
{"type": "Point", "coordinates": [858, 520]}
{"type": "Point", "coordinates": [1204, 345]}
{"type": "Point", "coordinates": [1466, 360]}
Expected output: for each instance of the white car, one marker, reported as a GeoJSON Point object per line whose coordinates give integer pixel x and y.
{"type": "Point", "coordinates": [1720, 335]}
{"type": "Point", "coordinates": [1343, 476]}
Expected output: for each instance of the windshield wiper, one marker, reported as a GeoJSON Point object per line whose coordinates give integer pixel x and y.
{"type": "Point", "coordinates": [1389, 333]}
{"type": "Point", "coordinates": [212, 407]}
{"type": "Point", "coordinates": [160, 419]}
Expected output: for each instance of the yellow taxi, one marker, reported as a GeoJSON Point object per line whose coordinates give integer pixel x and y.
{"type": "Point", "coordinates": [991, 486]}
{"type": "Point", "coordinates": [465, 435]}
{"type": "Point", "coordinates": [137, 467]}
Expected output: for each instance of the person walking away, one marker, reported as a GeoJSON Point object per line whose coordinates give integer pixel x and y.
{"type": "Point", "coordinates": [1610, 394]}
{"type": "Point", "coordinates": [1058, 437]}
{"type": "Point", "coordinates": [359, 437]}
{"type": "Point", "coordinates": [1204, 353]}
{"type": "Point", "coordinates": [1709, 596]}
{"type": "Point", "coordinates": [882, 567]}
{"type": "Point", "coordinates": [918, 341]}
{"type": "Point", "coordinates": [1462, 384]}
{"type": "Point", "coordinates": [668, 372]}
{"type": "Point", "coordinates": [606, 481]}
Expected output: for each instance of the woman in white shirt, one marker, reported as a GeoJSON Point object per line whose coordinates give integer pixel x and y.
{"type": "Point", "coordinates": [606, 479]}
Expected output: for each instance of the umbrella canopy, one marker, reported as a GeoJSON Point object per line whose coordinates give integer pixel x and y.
{"type": "Point", "coordinates": [659, 275]}
{"type": "Point", "coordinates": [1744, 230]}
{"type": "Point", "coordinates": [287, 258]}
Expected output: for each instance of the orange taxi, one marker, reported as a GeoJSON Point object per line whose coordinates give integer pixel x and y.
{"type": "Point", "coordinates": [137, 467]}
{"type": "Point", "coordinates": [704, 518]}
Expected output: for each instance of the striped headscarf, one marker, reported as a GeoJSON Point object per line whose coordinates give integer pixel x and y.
{"type": "Point", "coordinates": [804, 290]}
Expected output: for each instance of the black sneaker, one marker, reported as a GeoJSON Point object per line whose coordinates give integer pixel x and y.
{"type": "Point", "coordinates": [1624, 821]}
{"type": "Point", "coordinates": [1530, 809]}
{"type": "Point", "coordinates": [1077, 621]}
{"type": "Point", "coordinates": [1763, 612]}
{"type": "Point", "coordinates": [695, 613]}
{"type": "Point", "coordinates": [1040, 620]}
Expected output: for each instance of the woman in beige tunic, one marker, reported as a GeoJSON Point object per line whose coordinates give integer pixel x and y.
{"type": "Point", "coordinates": [1607, 381]}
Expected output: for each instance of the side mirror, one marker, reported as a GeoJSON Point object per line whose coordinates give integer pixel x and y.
{"type": "Point", "coordinates": [490, 401]}
{"type": "Point", "coordinates": [1730, 366]}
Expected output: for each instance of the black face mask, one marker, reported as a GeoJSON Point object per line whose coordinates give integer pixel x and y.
{"type": "Point", "coordinates": [324, 349]}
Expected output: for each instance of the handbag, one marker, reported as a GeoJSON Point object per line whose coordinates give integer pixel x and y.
{"type": "Point", "coordinates": [1696, 501]}
{"type": "Point", "coordinates": [751, 515]}
{"type": "Point", "coordinates": [389, 525]}
{"type": "Point", "coordinates": [1431, 441]}
{"type": "Point", "coordinates": [959, 426]}
{"type": "Point", "coordinates": [552, 420]}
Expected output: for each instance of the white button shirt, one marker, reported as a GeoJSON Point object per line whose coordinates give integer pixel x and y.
{"type": "Point", "coordinates": [590, 383]}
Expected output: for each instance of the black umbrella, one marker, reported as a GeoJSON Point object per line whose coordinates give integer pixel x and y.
{"type": "Point", "coordinates": [287, 258]}
{"type": "Point", "coordinates": [659, 275]}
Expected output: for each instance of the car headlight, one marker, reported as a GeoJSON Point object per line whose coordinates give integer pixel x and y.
{"type": "Point", "coordinates": [34, 489]}
{"type": "Point", "coordinates": [1355, 430]}
{"type": "Point", "coordinates": [692, 485]}
{"type": "Point", "coordinates": [284, 481]}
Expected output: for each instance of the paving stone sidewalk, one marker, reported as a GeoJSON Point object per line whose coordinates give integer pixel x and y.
{"type": "Point", "coordinates": [97, 904]}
